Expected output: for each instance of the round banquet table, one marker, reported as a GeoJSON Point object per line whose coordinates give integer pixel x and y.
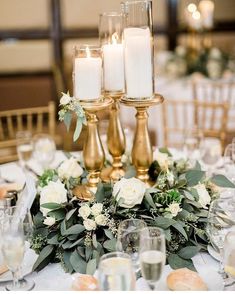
{"type": "Point", "coordinates": [53, 277]}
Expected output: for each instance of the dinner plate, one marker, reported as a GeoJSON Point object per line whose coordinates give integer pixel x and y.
{"type": "Point", "coordinates": [27, 266]}
{"type": "Point", "coordinates": [213, 252]}
{"type": "Point", "coordinates": [209, 275]}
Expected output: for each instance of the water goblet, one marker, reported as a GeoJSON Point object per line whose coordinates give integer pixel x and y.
{"type": "Point", "coordinates": [221, 220]}
{"type": "Point", "coordinates": [115, 272]}
{"type": "Point", "coordinates": [44, 149]}
{"type": "Point", "coordinates": [152, 252]}
{"type": "Point", "coordinates": [192, 140]}
{"type": "Point", "coordinates": [128, 239]}
{"type": "Point", "coordinates": [229, 258]}
{"type": "Point", "coordinates": [24, 147]}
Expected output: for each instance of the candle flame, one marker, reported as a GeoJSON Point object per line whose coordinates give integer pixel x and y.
{"type": "Point", "coordinates": [114, 38]}
{"type": "Point", "coordinates": [192, 7]}
{"type": "Point", "coordinates": [88, 53]}
{"type": "Point", "coordinates": [196, 15]}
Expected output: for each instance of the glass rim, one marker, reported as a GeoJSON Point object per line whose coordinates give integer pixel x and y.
{"type": "Point", "coordinates": [112, 13]}
{"type": "Point", "coordinates": [84, 46]}
{"type": "Point", "coordinates": [114, 254]}
{"type": "Point", "coordinates": [128, 2]}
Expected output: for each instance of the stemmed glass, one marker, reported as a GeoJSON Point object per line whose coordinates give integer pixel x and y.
{"type": "Point", "coordinates": [13, 249]}
{"type": "Point", "coordinates": [152, 252]}
{"type": "Point", "coordinates": [192, 140]}
{"type": "Point", "coordinates": [229, 258]}
{"type": "Point", "coordinates": [115, 272]}
{"type": "Point", "coordinates": [44, 149]}
{"type": "Point", "coordinates": [210, 152]}
{"type": "Point", "coordinates": [24, 147]}
{"type": "Point", "coordinates": [221, 220]}
{"type": "Point", "coordinates": [128, 239]}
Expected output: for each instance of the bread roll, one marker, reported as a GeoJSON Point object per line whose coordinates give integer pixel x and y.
{"type": "Point", "coordinates": [85, 283]}
{"type": "Point", "coordinates": [184, 279]}
{"type": "Point", "coordinates": [3, 269]}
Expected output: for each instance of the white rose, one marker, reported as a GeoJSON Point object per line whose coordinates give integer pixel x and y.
{"type": "Point", "coordinates": [54, 192]}
{"type": "Point", "coordinates": [204, 197]}
{"type": "Point", "coordinates": [84, 211]}
{"type": "Point", "coordinates": [49, 221]}
{"type": "Point", "coordinates": [97, 209]}
{"type": "Point", "coordinates": [89, 224]}
{"type": "Point", "coordinates": [101, 220]}
{"type": "Point", "coordinates": [174, 208]}
{"type": "Point", "coordinates": [131, 190]}
{"type": "Point", "coordinates": [65, 99]}
{"type": "Point", "coordinates": [70, 168]}
{"type": "Point", "coordinates": [162, 159]}
{"type": "Point", "coordinates": [214, 69]}
{"type": "Point", "coordinates": [215, 53]}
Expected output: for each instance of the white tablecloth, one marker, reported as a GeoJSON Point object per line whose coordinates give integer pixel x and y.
{"type": "Point", "coordinates": [53, 276]}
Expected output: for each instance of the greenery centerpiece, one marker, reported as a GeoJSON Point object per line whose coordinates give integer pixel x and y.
{"type": "Point", "coordinates": [77, 233]}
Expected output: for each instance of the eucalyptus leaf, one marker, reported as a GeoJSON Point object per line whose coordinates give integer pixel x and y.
{"type": "Point", "coordinates": [163, 222]}
{"type": "Point", "coordinates": [94, 241]}
{"type": "Point", "coordinates": [149, 199]}
{"type": "Point", "coordinates": [108, 233]}
{"type": "Point", "coordinates": [188, 252]}
{"type": "Point", "coordinates": [197, 166]}
{"type": "Point", "coordinates": [58, 214]}
{"type": "Point", "coordinates": [176, 262]}
{"type": "Point", "coordinates": [77, 262]}
{"type": "Point", "coordinates": [91, 267]}
{"type": "Point", "coordinates": [110, 245]}
{"type": "Point", "coordinates": [70, 213]}
{"type": "Point", "coordinates": [68, 119]}
{"type": "Point", "coordinates": [167, 233]}
{"type": "Point", "coordinates": [77, 129]}
{"type": "Point", "coordinates": [222, 181]}
{"type": "Point", "coordinates": [77, 242]}
{"type": "Point", "coordinates": [130, 172]}
{"type": "Point", "coordinates": [193, 177]}
{"type": "Point", "coordinates": [51, 205]}
{"type": "Point", "coordinates": [53, 240]}
{"type": "Point", "coordinates": [99, 195]}
{"type": "Point", "coordinates": [66, 259]}
{"type": "Point", "coordinates": [44, 258]}
{"type": "Point", "coordinates": [75, 229]}
{"type": "Point", "coordinates": [165, 150]}
{"type": "Point", "coordinates": [180, 229]}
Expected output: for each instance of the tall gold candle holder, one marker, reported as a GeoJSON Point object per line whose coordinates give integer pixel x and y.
{"type": "Point", "coordinates": [142, 153]}
{"type": "Point", "coordinates": [116, 144]}
{"type": "Point", "coordinates": [93, 152]}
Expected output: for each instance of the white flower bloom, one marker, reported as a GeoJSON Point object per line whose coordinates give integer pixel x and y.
{"type": "Point", "coordinates": [131, 190]}
{"type": "Point", "coordinates": [174, 208]}
{"type": "Point", "coordinates": [162, 159]}
{"type": "Point", "coordinates": [65, 99]}
{"type": "Point", "coordinates": [70, 168]}
{"type": "Point", "coordinates": [96, 209]}
{"type": "Point", "coordinates": [204, 197]}
{"type": "Point", "coordinates": [170, 178]}
{"type": "Point", "coordinates": [49, 221]}
{"type": "Point", "coordinates": [54, 192]}
{"type": "Point", "coordinates": [180, 51]}
{"type": "Point", "coordinates": [101, 220]}
{"type": "Point", "coordinates": [84, 211]}
{"type": "Point", "coordinates": [89, 224]}
{"type": "Point", "coordinates": [214, 68]}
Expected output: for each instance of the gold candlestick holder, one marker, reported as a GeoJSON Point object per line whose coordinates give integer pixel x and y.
{"type": "Point", "coordinates": [116, 144]}
{"type": "Point", "coordinates": [142, 153]}
{"type": "Point", "coordinates": [93, 152]}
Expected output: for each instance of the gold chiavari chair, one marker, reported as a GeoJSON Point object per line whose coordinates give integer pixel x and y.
{"type": "Point", "coordinates": [180, 115]}
{"type": "Point", "coordinates": [36, 120]}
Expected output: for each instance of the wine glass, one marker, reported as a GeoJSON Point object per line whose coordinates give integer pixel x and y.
{"type": "Point", "coordinates": [221, 220]}
{"type": "Point", "coordinates": [192, 139]}
{"type": "Point", "coordinates": [24, 147]}
{"type": "Point", "coordinates": [210, 152]}
{"type": "Point", "coordinates": [13, 249]}
{"type": "Point", "coordinates": [128, 239]}
{"type": "Point", "coordinates": [152, 254]}
{"type": "Point", "coordinates": [229, 257]}
{"type": "Point", "coordinates": [44, 149]}
{"type": "Point", "coordinates": [115, 272]}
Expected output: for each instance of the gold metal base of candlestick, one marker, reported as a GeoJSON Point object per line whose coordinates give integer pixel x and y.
{"type": "Point", "coordinates": [142, 153]}
{"type": "Point", "coordinates": [116, 143]}
{"type": "Point", "coordinates": [93, 152]}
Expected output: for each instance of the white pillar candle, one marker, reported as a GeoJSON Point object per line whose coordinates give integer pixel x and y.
{"type": "Point", "coordinates": [113, 66]}
{"type": "Point", "coordinates": [88, 71]}
{"type": "Point", "coordinates": [138, 62]}
{"type": "Point", "coordinates": [207, 11]}
{"type": "Point", "coordinates": [195, 20]}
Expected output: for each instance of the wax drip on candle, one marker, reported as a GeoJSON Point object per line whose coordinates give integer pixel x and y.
{"type": "Point", "coordinates": [88, 53]}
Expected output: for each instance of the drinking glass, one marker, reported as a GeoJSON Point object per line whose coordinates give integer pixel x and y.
{"type": "Point", "coordinates": [152, 251]}
{"type": "Point", "coordinates": [221, 220]}
{"type": "Point", "coordinates": [24, 147]}
{"type": "Point", "coordinates": [229, 257]}
{"type": "Point", "coordinates": [13, 248]}
{"type": "Point", "coordinates": [192, 139]}
{"type": "Point", "coordinates": [210, 152]}
{"type": "Point", "coordinates": [229, 163]}
{"type": "Point", "coordinates": [128, 239]}
{"type": "Point", "coordinates": [44, 149]}
{"type": "Point", "coordinates": [115, 272]}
